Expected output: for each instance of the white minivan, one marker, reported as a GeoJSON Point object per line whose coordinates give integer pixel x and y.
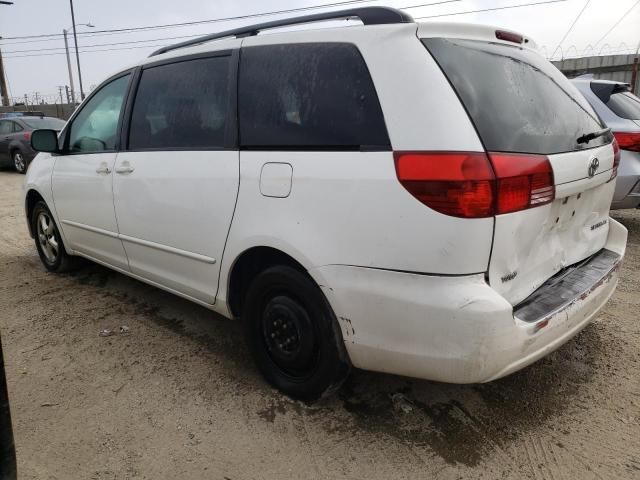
{"type": "Point", "coordinates": [429, 200]}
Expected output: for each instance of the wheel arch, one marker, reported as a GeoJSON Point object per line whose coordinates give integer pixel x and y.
{"type": "Point", "coordinates": [250, 263]}
{"type": "Point", "coordinates": [16, 146]}
{"type": "Point", "coordinates": [31, 198]}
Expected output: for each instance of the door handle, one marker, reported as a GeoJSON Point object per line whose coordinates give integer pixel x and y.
{"type": "Point", "coordinates": [124, 168]}
{"type": "Point", "coordinates": [103, 169]}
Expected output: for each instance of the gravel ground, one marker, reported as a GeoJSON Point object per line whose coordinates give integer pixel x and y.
{"type": "Point", "coordinates": [178, 397]}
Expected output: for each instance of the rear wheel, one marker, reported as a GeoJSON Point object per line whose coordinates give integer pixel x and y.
{"type": "Point", "coordinates": [52, 253]}
{"type": "Point", "coordinates": [19, 162]}
{"type": "Point", "coordinates": [293, 335]}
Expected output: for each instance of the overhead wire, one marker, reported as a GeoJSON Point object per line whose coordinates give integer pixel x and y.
{"type": "Point", "coordinates": [506, 7]}
{"type": "Point", "coordinates": [224, 19]}
{"type": "Point", "coordinates": [624, 15]}
{"type": "Point", "coordinates": [564, 37]}
{"type": "Point", "coordinates": [189, 36]}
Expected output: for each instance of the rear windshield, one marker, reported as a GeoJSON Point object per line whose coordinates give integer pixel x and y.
{"type": "Point", "coordinates": [625, 105]}
{"type": "Point", "coordinates": [49, 123]}
{"type": "Point", "coordinates": [517, 100]}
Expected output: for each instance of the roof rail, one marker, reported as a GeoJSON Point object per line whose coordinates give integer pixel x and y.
{"type": "Point", "coordinates": [367, 15]}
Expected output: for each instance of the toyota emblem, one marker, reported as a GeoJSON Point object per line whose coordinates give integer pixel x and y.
{"type": "Point", "coordinates": [593, 167]}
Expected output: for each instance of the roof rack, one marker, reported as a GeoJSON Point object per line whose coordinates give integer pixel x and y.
{"type": "Point", "coordinates": [367, 15]}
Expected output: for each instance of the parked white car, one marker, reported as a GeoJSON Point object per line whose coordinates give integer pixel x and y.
{"type": "Point", "coordinates": [429, 200]}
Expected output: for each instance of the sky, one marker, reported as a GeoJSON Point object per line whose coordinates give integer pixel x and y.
{"type": "Point", "coordinates": [39, 65]}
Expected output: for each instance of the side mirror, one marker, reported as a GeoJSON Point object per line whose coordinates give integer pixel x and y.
{"type": "Point", "coordinates": [44, 141]}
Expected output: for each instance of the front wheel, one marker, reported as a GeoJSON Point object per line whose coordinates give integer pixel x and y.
{"type": "Point", "coordinates": [293, 335]}
{"type": "Point", "coordinates": [51, 250]}
{"type": "Point", "coordinates": [19, 162]}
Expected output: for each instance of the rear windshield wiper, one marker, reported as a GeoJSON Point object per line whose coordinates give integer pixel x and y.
{"type": "Point", "coordinates": [593, 135]}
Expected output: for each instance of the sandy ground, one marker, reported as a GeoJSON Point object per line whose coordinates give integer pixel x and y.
{"type": "Point", "coordinates": [178, 397]}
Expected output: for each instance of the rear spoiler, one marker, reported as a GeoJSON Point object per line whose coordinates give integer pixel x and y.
{"type": "Point", "coordinates": [604, 90]}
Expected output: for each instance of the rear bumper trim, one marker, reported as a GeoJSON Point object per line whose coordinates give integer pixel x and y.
{"type": "Point", "coordinates": [567, 286]}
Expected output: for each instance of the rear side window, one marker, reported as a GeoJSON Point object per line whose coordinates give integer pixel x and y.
{"type": "Point", "coordinates": [517, 100]}
{"type": "Point", "coordinates": [181, 105]}
{"type": "Point", "coordinates": [6, 126]}
{"type": "Point", "coordinates": [308, 96]}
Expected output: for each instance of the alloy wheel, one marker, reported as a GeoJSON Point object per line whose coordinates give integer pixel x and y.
{"type": "Point", "coordinates": [18, 161]}
{"type": "Point", "coordinates": [47, 237]}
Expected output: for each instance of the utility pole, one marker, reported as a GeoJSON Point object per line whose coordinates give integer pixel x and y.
{"type": "Point", "coordinates": [66, 87]}
{"type": "Point", "coordinates": [4, 91]}
{"type": "Point", "coordinates": [3, 84]}
{"type": "Point", "coordinates": [37, 100]}
{"type": "Point", "coordinates": [60, 88]}
{"type": "Point", "coordinates": [75, 41]}
{"type": "Point", "coordinates": [634, 72]}
{"type": "Point", "coordinates": [66, 48]}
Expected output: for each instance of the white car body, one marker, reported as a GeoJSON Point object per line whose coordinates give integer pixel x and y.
{"type": "Point", "coordinates": [415, 292]}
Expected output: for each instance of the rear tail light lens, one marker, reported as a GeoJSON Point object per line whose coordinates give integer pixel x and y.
{"type": "Point", "coordinates": [628, 140]}
{"type": "Point", "coordinates": [523, 181]}
{"type": "Point", "coordinates": [474, 185]}
{"type": "Point", "coordinates": [27, 136]}
{"type": "Point", "coordinates": [616, 159]}
{"type": "Point", "coordinates": [457, 184]}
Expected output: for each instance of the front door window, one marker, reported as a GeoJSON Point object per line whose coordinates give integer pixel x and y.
{"type": "Point", "coordinates": [95, 128]}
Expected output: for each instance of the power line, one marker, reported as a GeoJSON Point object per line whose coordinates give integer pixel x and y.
{"type": "Point", "coordinates": [163, 38]}
{"type": "Point", "coordinates": [87, 51]}
{"type": "Point", "coordinates": [491, 9]}
{"type": "Point", "coordinates": [197, 22]}
{"type": "Point", "coordinates": [106, 44]}
{"type": "Point", "coordinates": [624, 15]}
{"type": "Point", "coordinates": [213, 20]}
{"type": "Point", "coordinates": [571, 27]}
{"type": "Point", "coordinates": [170, 38]}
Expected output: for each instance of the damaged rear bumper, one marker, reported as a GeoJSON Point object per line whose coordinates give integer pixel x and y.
{"type": "Point", "coordinates": [458, 329]}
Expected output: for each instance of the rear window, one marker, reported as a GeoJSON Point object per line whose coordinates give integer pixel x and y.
{"type": "Point", "coordinates": [517, 100]}
{"type": "Point", "coordinates": [308, 96]}
{"type": "Point", "coordinates": [50, 123]}
{"type": "Point", "coordinates": [618, 98]}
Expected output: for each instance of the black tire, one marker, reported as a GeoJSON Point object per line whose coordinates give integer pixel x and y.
{"type": "Point", "coordinates": [293, 335]}
{"type": "Point", "coordinates": [19, 161]}
{"type": "Point", "coordinates": [54, 259]}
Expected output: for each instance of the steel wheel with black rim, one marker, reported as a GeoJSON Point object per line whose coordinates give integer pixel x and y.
{"type": "Point", "coordinates": [48, 240]}
{"type": "Point", "coordinates": [19, 161]}
{"type": "Point", "coordinates": [293, 335]}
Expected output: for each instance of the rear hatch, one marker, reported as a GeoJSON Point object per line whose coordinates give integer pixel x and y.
{"type": "Point", "coordinates": [525, 110]}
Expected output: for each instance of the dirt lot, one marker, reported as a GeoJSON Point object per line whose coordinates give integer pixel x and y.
{"type": "Point", "coordinates": [178, 396]}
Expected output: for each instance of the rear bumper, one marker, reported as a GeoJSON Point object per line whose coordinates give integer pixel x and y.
{"type": "Point", "coordinates": [456, 329]}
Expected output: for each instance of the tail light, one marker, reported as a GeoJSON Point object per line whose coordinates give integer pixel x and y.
{"type": "Point", "coordinates": [26, 136]}
{"type": "Point", "coordinates": [628, 140]}
{"type": "Point", "coordinates": [523, 181]}
{"type": "Point", "coordinates": [616, 159]}
{"type": "Point", "coordinates": [474, 185]}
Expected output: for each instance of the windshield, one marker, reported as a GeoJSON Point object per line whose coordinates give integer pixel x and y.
{"type": "Point", "coordinates": [518, 101]}
{"type": "Point", "coordinates": [47, 122]}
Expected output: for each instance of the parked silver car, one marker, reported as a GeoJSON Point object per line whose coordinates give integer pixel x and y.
{"type": "Point", "coordinates": [620, 110]}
